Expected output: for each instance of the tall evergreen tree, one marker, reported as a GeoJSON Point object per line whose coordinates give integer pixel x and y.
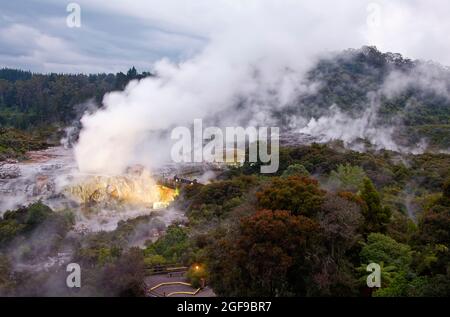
{"type": "Point", "coordinates": [376, 217]}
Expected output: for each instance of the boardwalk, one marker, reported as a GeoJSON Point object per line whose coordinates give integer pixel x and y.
{"type": "Point", "coordinates": [166, 290]}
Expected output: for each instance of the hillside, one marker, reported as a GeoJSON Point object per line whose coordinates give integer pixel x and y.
{"type": "Point", "coordinates": [29, 101]}
{"type": "Point", "coordinates": [310, 229]}
{"type": "Point", "coordinates": [412, 94]}
{"type": "Point", "coordinates": [410, 97]}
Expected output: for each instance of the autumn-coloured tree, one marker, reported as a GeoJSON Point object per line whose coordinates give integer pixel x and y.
{"type": "Point", "coordinates": [269, 255]}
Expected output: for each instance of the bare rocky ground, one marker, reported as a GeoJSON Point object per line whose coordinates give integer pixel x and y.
{"type": "Point", "coordinates": [45, 176]}
{"type": "Point", "coordinates": [37, 178]}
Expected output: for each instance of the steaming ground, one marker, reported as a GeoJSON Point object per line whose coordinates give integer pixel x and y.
{"type": "Point", "coordinates": [225, 90]}
{"type": "Point", "coordinates": [132, 127]}
{"type": "Point", "coordinates": [47, 175]}
{"type": "Point", "coordinates": [40, 177]}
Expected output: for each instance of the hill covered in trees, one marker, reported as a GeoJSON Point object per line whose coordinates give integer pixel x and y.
{"type": "Point", "coordinates": [411, 98]}
{"type": "Point", "coordinates": [294, 234]}
{"type": "Point", "coordinates": [308, 230]}
{"type": "Point", "coordinates": [34, 108]}
{"type": "Point", "coordinates": [29, 100]}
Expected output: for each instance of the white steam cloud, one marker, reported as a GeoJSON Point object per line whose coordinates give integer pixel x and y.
{"type": "Point", "coordinates": [340, 126]}
{"type": "Point", "coordinates": [256, 53]}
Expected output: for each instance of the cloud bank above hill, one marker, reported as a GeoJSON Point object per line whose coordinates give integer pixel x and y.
{"type": "Point", "coordinates": [115, 34]}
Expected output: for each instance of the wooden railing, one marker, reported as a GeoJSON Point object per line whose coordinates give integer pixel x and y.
{"type": "Point", "coordinates": [166, 268]}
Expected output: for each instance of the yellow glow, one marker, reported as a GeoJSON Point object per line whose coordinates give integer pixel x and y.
{"type": "Point", "coordinates": [132, 188]}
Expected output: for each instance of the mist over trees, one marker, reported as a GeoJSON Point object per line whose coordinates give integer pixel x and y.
{"type": "Point", "coordinates": [352, 81]}
{"type": "Point", "coordinates": [310, 229]}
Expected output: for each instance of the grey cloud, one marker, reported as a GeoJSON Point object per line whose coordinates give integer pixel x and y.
{"type": "Point", "coordinates": [35, 36]}
{"type": "Point", "coordinates": [117, 34]}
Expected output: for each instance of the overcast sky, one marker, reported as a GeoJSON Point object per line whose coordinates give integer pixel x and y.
{"type": "Point", "coordinates": [116, 34]}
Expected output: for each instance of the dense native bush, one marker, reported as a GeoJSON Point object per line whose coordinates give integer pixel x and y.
{"type": "Point", "coordinates": [301, 195]}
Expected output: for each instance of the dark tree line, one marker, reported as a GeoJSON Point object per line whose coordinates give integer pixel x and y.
{"type": "Point", "coordinates": [29, 100]}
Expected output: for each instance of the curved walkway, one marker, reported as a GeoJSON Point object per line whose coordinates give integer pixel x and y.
{"type": "Point", "coordinates": [164, 285]}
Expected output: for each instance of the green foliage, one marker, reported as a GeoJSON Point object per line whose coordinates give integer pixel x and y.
{"type": "Point", "coordinates": [156, 259]}
{"type": "Point", "coordinates": [348, 177]}
{"type": "Point", "coordinates": [37, 213]}
{"type": "Point", "coordinates": [395, 260]}
{"type": "Point", "coordinates": [296, 170]}
{"type": "Point", "coordinates": [339, 217]}
{"type": "Point", "coordinates": [388, 275]}
{"type": "Point", "coordinates": [437, 135]}
{"type": "Point", "coordinates": [24, 220]}
{"type": "Point", "coordinates": [381, 248]}
{"type": "Point", "coordinates": [435, 221]}
{"type": "Point", "coordinates": [14, 74]}
{"type": "Point", "coordinates": [376, 216]}
{"type": "Point", "coordinates": [430, 286]}
{"type": "Point", "coordinates": [431, 259]}
{"type": "Point", "coordinates": [348, 77]}
{"type": "Point", "coordinates": [314, 248]}
{"type": "Point", "coordinates": [31, 100]}
{"type": "Point", "coordinates": [434, 224]}
{"type": "Point", "coordinates": [10, 228]}
{"type": "Point", "coordinates": [446, 192]}
{"type": "Point", "coordinates": [431, 169]}
{"type": "Point", "coordinates": [14, 143]}
{"type": "Point", "coordinates": [300, 195]}
{"type": "Point", "coordinates": [218, 192]}
{"type": "Point", "coordinates": [393, 284]}
{"type": "Point", "coordinates": [215, 200]}
{"type": "Point", "coordinates": [196, 274]}
{"type": "Point", "coordinates": [173, 246]}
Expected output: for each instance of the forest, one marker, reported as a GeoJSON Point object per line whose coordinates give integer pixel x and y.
{"type": "Point", "coordinates": [35, 108]}
{"type": "Point", "coordinates": [310, 229]}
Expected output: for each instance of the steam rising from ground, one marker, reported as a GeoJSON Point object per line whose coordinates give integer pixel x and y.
{"type": "Point", "coordinates": [255, 65]}
{"type": "Point", "coordinates": [252, 65]}
{"type": "Point", "coordinates": [425, 76]}
{"type": "Point", "coordinates": [340, 126]}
